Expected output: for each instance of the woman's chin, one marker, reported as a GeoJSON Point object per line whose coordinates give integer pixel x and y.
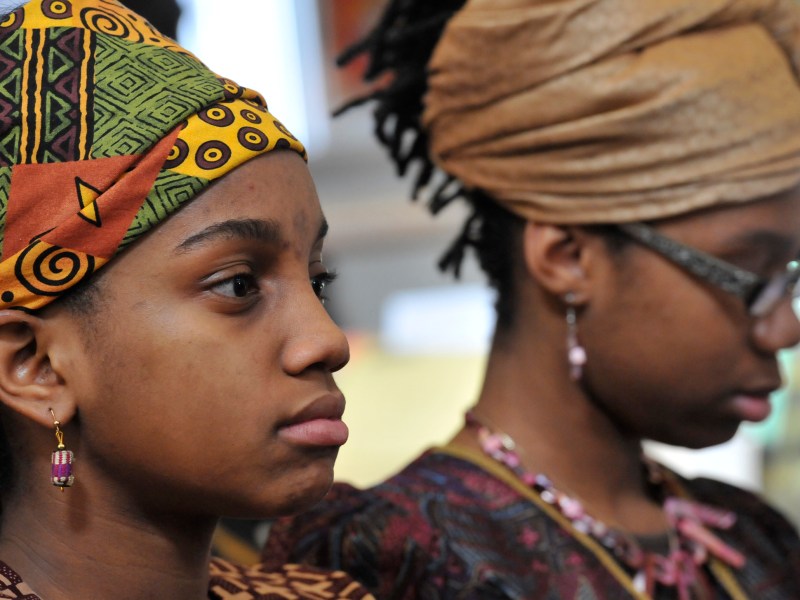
{"type": "Point", "coordinates": [304, 501]}
{"type": "Point", "coordinates": [697, 439]}
{"type": "Point", "coordinates": [287, 499]}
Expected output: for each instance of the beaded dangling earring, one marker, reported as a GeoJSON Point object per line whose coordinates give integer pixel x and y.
{"type": "Point", "coordinates": [61, 460]}
{"type": "Point", "coordinates": [576, 354]}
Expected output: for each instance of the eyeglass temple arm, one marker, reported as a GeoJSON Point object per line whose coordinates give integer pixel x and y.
{"type": "Point", "coordinates": [718, 272]}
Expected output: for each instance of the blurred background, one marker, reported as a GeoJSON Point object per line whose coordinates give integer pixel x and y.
{"type": "Point", "coordinates": [418, 338]}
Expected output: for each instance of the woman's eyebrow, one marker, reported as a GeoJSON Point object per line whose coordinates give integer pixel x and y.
{"type": "Point", "coordinates": [776, 243]}
{"type": "Point", "coordinates": [245, 229]}
{"type": "Point", "coordinates": [323, 229]}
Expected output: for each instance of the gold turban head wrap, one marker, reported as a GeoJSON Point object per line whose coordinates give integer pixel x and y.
{"type": "Point", "coordinates": [603, 111]}
{"type": "Point", "coordinates": [106, 129]}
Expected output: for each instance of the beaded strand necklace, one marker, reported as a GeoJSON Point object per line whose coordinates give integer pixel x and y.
{"type": "Point", "coordinates": [691, 542]}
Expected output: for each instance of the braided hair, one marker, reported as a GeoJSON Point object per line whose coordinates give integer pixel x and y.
{"type": "Point", "coordinates": [400, 47]}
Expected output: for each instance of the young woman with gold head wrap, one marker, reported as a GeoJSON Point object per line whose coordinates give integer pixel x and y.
{"type": "Point", "coordinates": [633, 167]}
{"type": "Point", "coordinates": [164, 353]}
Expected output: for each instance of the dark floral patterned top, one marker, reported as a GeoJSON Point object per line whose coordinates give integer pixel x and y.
{"type": "Point", "coordinates": [232, 582]}
{"type": "Point", "coordinates": [455, 525]}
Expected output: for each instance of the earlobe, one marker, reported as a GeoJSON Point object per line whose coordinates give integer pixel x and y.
{"type": "Point", "coordinates": [555, 258]}
{"type": "Point", "coordinates": [28, 383]}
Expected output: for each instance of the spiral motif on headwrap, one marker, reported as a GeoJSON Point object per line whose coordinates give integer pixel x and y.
{"type": "Point", "coordinates": [57, 9]}
{"type": "Point", "coordinates": [109, 22]}
{"type": "Point", "coordinates": [49, 270]}
{"type": "Point", "coordinates": [252, 138]}
{"type": "Point", "coordinates": [12, 21]}
{"type": "Point", "coordinates": [218, 115]}
{"type": "Point", "coordinates": [212, 155]}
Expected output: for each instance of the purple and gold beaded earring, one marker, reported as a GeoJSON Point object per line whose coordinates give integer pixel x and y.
{"type": "Point", "coordinates": [61, 461]}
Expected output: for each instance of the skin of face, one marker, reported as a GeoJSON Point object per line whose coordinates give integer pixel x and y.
{"type": "Point", "coordinates": [208, 343]}
{"type": "Point", "coordinates": [675, 359]}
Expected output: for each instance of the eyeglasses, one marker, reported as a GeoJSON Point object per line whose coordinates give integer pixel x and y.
{"type": "Point", "coordinates": [760, 295]}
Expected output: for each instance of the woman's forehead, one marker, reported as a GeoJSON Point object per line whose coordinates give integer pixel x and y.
{"type": "Point", "coordinates": [271, 198]}
{"type": "Point", "coordinates": [771, 221]}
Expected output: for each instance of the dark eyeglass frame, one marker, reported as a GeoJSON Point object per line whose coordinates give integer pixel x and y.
{"type": "Point", "coordinates": [760, 295]}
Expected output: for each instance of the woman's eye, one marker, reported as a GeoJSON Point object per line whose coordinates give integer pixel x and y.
{"type": "Point", "coordinates": [320, 282]}
{"type": "Point", "coordinates": [238, 286]}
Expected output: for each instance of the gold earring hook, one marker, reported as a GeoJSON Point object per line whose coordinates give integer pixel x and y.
{"type": "Point", "coordinates": [59, 433]}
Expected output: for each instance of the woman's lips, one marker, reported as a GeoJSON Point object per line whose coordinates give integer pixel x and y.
{"type": "Point", "coordinates": [318, 432]}
{"type": "Point", "coordinates": [318, 424]}
{"type": "Point", "coordinates": [751, 407]}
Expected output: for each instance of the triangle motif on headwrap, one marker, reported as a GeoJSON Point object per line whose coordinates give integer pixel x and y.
{"type": "Point", "coordinates": [87, 199]}
{"type": "Point", "coordinates": [43, 196]}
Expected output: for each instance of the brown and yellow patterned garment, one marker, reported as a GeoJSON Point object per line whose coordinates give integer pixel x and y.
{"type": "Point", "coordinates": [230, 582]}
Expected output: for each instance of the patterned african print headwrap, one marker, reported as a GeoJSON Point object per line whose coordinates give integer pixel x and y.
{"type": "Point", "coordinates": [106, 128]}
{"type": "Point", "coordinates": [582, 111]}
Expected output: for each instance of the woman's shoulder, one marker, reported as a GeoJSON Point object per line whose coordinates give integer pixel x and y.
{"type": "Point", "coordinates": [379, 517]}
{"type": "Point", "coordinates": [432, 526]}
{"type": "Point", "coordinates": [286, 581]}
{"type": "Point", "coordinates": [749, 506]}
{"type": "Point", "coordinates": [768, 540]}
{"type": "Point", "coordinates": [411, 505]}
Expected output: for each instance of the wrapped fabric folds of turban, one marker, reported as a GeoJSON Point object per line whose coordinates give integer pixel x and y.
{"type": "Point", "coordinates": [602, 111]}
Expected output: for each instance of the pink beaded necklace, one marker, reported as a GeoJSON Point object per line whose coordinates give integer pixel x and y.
{"type": "Point", "coordinates": [691, 541]}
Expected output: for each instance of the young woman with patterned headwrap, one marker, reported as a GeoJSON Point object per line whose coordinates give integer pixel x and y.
{"type": "Point", "coordinates": [163, 343]}
{"type": "Point", "coordinates": [633, 167]}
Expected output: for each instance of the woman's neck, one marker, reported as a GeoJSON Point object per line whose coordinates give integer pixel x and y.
{"type": "Point", "coordinates": [560, 432]}
{"type": "Point", "coordinates": [73, 545]}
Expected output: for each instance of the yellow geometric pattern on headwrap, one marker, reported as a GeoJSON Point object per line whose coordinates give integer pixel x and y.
{"type": "Point", "coordinates": [602, 111]}
{"type": "Point", "coordinates": [106, 129]}
{"type": "Point", "coordinates": [224, 135]}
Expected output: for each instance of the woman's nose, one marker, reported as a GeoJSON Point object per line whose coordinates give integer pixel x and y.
{"type": "Point", "coordinates": [315, 341]}
{"type": "Point", "coordinates": [778, 330]}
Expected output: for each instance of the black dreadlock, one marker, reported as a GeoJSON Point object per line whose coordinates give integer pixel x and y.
{"type": "Point", "coordinates": [400, 46]}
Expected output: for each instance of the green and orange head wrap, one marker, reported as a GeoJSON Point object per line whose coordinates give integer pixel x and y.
{"type": "Point", "coordinates": [106, 128]}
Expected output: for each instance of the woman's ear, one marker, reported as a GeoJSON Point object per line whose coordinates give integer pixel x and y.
{"type": "Point", "coordinates": [28, 383]}
{"type": "Point", "coordinates": [556, 257]}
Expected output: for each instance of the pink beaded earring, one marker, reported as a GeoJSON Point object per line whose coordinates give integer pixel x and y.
{"type": "Point", "coordinates": [576, 354]}
{"type": "Point", "coordinates": [61, 460]}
